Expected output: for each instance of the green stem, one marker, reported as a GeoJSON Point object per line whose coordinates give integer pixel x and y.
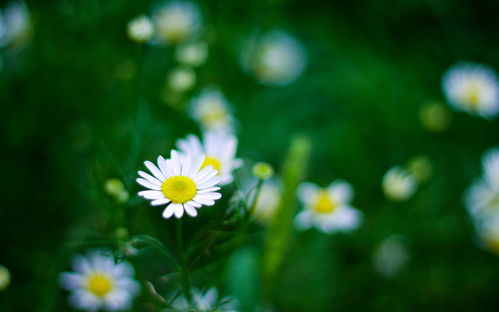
{"type": "Point", "coordinates": [183, 272]}
{"type": "Point", "coordinates": [255, 199]}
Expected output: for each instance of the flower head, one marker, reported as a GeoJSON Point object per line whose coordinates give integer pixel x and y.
{"type": "Point", "coordinates": [180, 183]}
{"type": "Point", "coordinates": [398, 184]}
{"type": "Point", "coordinates": [181, 79]}
{"type": "Point", "coordinates": [15, 25]}
{"type": "Point", "coordinates": [176, 21]}
{"type": "Point", "coordinates": [4, 277]}
{"type": "Point", "coordinates": [327, 209]}
{"type": "Point", "coordinates": [210, 109]}
{"type": "Point", "coordinates": [99, 283]}
{"type": "Point", "coordinates": [219, 149]}
{"type": "Point", "coordinates": [472, 88]}
{"type": "Point", "coordinates": [268, 201]}
{"type": "Point", "coordinates": [205, 301]}
{"type": "Point", "coordinates": [140, 29]}
{"type": "Point", "coordinates": [192, 54]}
{"type": "Point", "coordinates": [274, 58]}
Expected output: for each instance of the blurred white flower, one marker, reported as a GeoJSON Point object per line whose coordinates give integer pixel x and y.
{"type": "Point", "coordinates": [398, 184]}
{"type": "Point", "coordinates": [472, 88]}
{"type": "Point", "coordinates": [181, 184]}
{"type": "Point", "coordinates": [181, 79]}
{"type": "Point", "coordinates": [15, 25]}
{"type": "Point", "coordinates": [98, 283]}
{"type": "Point", "coordinates": [192, 54]}
{"type": "Point", "coordinates": [490, 161]}
{"type": "Point", "coordinates": [4, 277]}
{"type": "Point", "coordinates": [274, 58]}
{"type": "Point", "coordinates": [176, 21]}
{"type": "Point", "coordinates": [140, 29]}
{"type": "Point", "coordinates": [482, 198]}
{"type": "Point", "coordinates": [205, 302]}
{"type": "Point", "coordinates": [268, 202]}
{"type": "Point", "coordinates": [327, 209]}
{"type": "Point", "coordinates": [219, 149]}
{"type": "Point", "coordinates": [210, 109]}
{"type": "Point", "coordinates": [391, 256]}
{"type": "Point", "coordinates": [489, 233]}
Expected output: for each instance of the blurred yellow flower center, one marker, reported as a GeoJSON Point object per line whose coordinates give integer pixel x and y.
{"type": "Point", "coordinates": [216, 114]}
{"type": "Point", "coordinates": [179, 189]}
{"type": "Point", "coordinates": [215, 163]}
{"type": "Point", "coordinates": [324, 203]}
{"type": "Point", "coordinates": [473, 96]}
{"type": "Point", "coordinates": [99, 284]}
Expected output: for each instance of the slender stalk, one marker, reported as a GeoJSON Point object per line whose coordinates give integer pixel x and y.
{"type": "Point", "coordinates": [258, 188]}
{"type": "Point", "coordinates": [183, 272]}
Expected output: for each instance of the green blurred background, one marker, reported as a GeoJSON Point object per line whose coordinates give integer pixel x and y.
{"type": "Point", "coordinates": [81, 103]}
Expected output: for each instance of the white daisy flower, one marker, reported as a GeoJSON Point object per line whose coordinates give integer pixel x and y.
{"type": "Point", "coordinates": [98, 283]}
{"type": "Point", "coordinates": [219, 149]}
{"type": "Point", "coordinates": [176, 21]}
{"type": "Point", "coordinates": [490, 163]}
{"type": "Point", "coordinates": [181, 184]}
{"type": "Point", "coordinates": [398, 184]}
{"type": "Point", "coordinates": [275, 58]}
{"type": "Point", "coordinates": [192, 54]}
{"type": "Point", "coordinates": [181, 79]}
{"type": "Point", "coordinates": [472, 88]}
{"type": "Point", "coordinates": [210, 109]}
{"type": "Point", "coordinates": [16, 25]}
{"type": "Point", "coordinates": [327, 209]}
{"type": "Point", "coordinates": [204, 302]}
{"type": "Point", "coordinates": [140, 29]}
{"type": "Point", "coordinates": [482, 201]}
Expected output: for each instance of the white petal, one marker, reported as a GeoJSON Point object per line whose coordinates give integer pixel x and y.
{"type": "Point", "coordinates": [84, 300]}
{"type": "Point", "coordinates": [71, 280]}
{"type": "Point", "coordinates": [307, 191]}
{"type": "Point", "coordinates": [209, 183]}
{"type": "Point", "coordinates": [150, 178]}
{"type": "Point", "coordinates": [204, 201]}
{"type": "Point", "coordinates": [151, 194]}
{"type": "Point", "coordinates": [163, 167]}
{"type": "Point", "coordinates": [207, 190]}
{"type": "Point", "coordinates": [154, 170]}
{"type": "Point", "coordinates": [212, 195]}
{"type": "Point", "coordinates": [341, 191]}
{"type": "Point", "coordinates": [194, 204]}
{"type": "Point", "coordinates": [175, 163]}
{"type": "Point", "coordinates": [81, 264]}
{"type": "Point", "coordinates": [190, 210]}
{"type": "Point", "coordinates": [204, 174]}
{"type": "Point", "coordinates": [196, 166]}
{"type": "Point", "coordinates": [303, 220]}
{"type": "Point", "coordinates": [159, 202]}
{"type": "Point", "coordinates": [179, 211]}
{"type": "Point", "coordinates": [148, 184]}
{"type": "Point", "coordinates": [169, 211]}
{"type": "Point", "coordinates": [118, 299]}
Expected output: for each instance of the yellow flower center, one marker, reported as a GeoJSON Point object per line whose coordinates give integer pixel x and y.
{"type": "Point", "coordinates": [324, 203]}
{"type": "Point", "coordinates": [99, 284]}
{"type": "Point", "coordinates": [473, 97]}
{"type": "Point", "coordinates": [179, 189]}
{"type": "Point", "coordinates": [215, 163]}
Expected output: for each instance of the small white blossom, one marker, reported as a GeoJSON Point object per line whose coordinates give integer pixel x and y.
{"type": "Point", "coordinates": [98, 283]}
{"type": "Point", "coordinates": [15, 25]}
{"type": "Point", "coordinates": [140, 29]}
{"type": "Point", "coordinates": [211, 110]}
{"type": "Point", "coordinates": [327, 209]}
{"type": "Point", "coordinates": [176, 21]}
{"type": "Point", "coordinates": [181, 79]}
{"type": "Point", "coordinates": [192, 54]}
{"type": "Point", "coordinates": [472, 88]}
{"type": "Point", "coordinates": [205, 302]}
{"type": "Point", "coordinates": [398, 184]}
{"type": "Point", "coordinates": [274, 58]}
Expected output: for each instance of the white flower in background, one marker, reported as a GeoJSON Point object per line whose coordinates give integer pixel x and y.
{"type": "Point", "coordinates": [490, 163]}
{"type": "Point", "coordinates": [482, 198]}
{"type": "Point", "coordinates": [192, 54]}
{"type": "Point", "coordinates": [4, 277]}
{"type": "Point", "coordinates": [398, 184]}
{"type": "Point", "coordinates": [210, 109]}
{"type": "Point", "coordinates": [391, 255]}
{"type": "Point", "coordinates": [489, 232]}
{"type": "Point", "coordinates": [176, 21]}
{"type": "Point", "coordinates": [205, 302]}
{"type": "Point", "coordinates": [274, 58]}
{"type": "Point", "coordinates": [219, 149]}
{"type": "Point", "coordinates": [327, 209]}
{"type": "Point", "coordinates": [268, 202]}
{"type": "Point", "coordinates": [181, 79]}
{"type": "Point", "coordinates": [15, 25]}
{"type": "Point", "coordinates": [140, 29]}
{"type": "Point", "coordinates": [472, 88]}
{"type": "Point", "coordinates": [181, 184]}
{"type": "Point", "coordinates": [98, 283]}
